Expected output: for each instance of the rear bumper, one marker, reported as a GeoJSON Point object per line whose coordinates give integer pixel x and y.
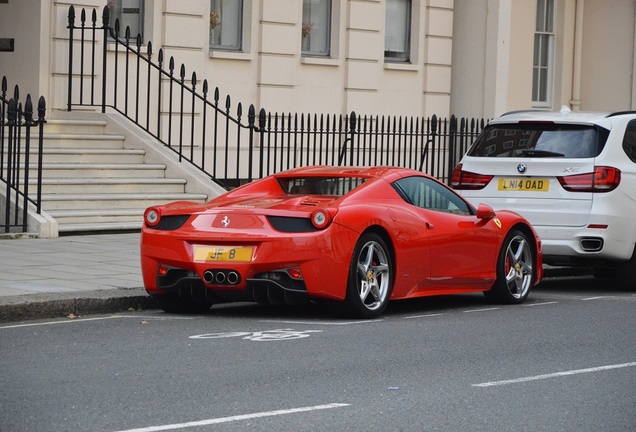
{"type": "Point", "coordinates": [567, 244]}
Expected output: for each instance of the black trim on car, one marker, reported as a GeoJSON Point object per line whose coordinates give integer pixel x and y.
{"type": "Point", "coordinates": [291, 224]}
{"type": "Point", "coordinates": [171, 223]}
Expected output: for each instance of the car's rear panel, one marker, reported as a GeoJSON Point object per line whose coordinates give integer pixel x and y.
{"type": "Point", "coordinates": [571, 223]}
{"type": "Point", "coordinates": [536, 194]}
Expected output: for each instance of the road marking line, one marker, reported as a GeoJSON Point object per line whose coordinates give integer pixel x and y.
{"type": "Point", "coordinates": [481, 310]}
{"type": "Point", "coordinates": [596, 298]}
{"type": "Point", "coordinates": [68, 321]}
{"type": "Point", "coordinates": [80, 319]}
{"type": "Point", "coordinates": [235, 418]}
{"type": "Point", "coordinates": [540, 304]}
{"type": "Point", "coordinates": [424, 316]}
{"type": "Point", "coordinates": [320, 323]}
{"type": "Point", "coordinates": [554, 375]}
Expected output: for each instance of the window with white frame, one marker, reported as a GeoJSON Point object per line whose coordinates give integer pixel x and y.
{"type": "Point", "coordinates": [397, 30]}
{"type": "Point", "coordinates": [543, 53]}
{"type": "Point", "coordinates": [130, 14]}
{"type": "Point", "coordinates": [316, 27]}
{"type": "Point", "coordinates": [226, 24]}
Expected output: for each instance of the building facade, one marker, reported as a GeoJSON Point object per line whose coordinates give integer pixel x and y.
{"type": "Point", "coordinates": [476, 58]}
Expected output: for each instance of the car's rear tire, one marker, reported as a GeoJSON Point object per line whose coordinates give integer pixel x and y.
{"type": "Point", "coordinates": [370, 278]}
{"type": "Point", "coordinates": [626, 273]}
{"type": "Point", "coordinates": [515, 270]}
{"type": "Point", "coordinates": [173, 303]}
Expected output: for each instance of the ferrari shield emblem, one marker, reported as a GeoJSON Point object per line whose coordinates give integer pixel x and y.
{"type": "Point", "coordinates": [497, 222]}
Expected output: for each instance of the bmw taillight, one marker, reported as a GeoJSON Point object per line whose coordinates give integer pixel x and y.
{"type": "Point", "coordinates": [603, 179]}
{"type": "Point", "coordinates": [468, 180]}
{"type": "Point", "coordinates": [152, 216]}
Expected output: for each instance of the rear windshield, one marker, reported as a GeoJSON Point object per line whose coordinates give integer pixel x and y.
{"type": "Point", "coordinates": [540, 140]}
{"type": "Point", "coordinates": [320, 185]}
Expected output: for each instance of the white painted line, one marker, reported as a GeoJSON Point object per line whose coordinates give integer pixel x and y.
{"type": "Point", "coordinates": [539, 304]}
{"type": "Point", "coordinates": [554, 375]}
{"type": "Point", "coordinates": [80, 319]}
{"type": "Point", "coordinates": [67, 321]}
{"type": "Point", "coordinates": [596, 298]}
{"type": "Point", "coordinates": [235, 418]}
{"type": "Point", "coordinates": [321, 322]}
{"type": "Point", "coordinates": [424, 316]}
{"type": "Point", "coordinates": [481, 310]}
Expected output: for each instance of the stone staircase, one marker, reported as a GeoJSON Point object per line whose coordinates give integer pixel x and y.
{"type": "Point", "coordinates": [96, 180]}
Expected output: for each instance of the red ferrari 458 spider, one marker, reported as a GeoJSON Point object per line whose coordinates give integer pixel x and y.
{"type": "Point", "coordinates": [355, 237]}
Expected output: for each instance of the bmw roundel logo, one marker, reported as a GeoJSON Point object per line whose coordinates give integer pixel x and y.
{"type": "Point", "coordinates": [521, 168]}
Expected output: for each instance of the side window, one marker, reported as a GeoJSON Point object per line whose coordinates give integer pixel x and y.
{"type": "Point", "coordinates": [397, 30]}
{"type": "Point", "coordinates": [629, 141]}
{"type": "Point", "coordinates": [428, 194]}
{"type": "Point", "coordinates": [543, 53]}
{"type": "Point", "coordinates": [226, 24]}
{"type": "Point", "coordinates": [316, 27]}
{"type": "Point", "coordinates": [130, 14]}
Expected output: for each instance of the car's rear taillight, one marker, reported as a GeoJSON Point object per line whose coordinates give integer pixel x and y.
{"type": "Point", "coordinates": [468, 180]}
{"type": "Point", "coordinates": [320, 218]}
{"type": "Point", "coordinates": [152, 216]}
{"type": "Point", "coordinates": [603, 179]}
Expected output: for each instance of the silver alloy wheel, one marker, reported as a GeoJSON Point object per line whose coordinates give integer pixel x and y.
{"type": "Point", "coordinates": [518, 266]}
{"type": "Point", "coordinates": [373, 275]}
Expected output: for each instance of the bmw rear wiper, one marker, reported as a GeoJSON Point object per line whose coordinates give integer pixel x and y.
{"type": "Point", "coordinates": [540, 153]}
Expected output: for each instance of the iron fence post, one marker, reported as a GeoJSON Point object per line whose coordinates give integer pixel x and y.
{"type": "Point", "coordinates": [262, 121]}
{"type": "Point", "coordinates": [41, 121]}
{"type": "Point", "coordinates": [105, 26]}
{"type": "Point", "coordinates": [71, 25]}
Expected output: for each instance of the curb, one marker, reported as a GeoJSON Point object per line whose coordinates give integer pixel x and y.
{"type": "Point", "coordinates": [55, 305]}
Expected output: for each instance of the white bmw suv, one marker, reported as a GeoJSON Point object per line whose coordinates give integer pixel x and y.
{"type": "Point", "coordinates": [571, 174]}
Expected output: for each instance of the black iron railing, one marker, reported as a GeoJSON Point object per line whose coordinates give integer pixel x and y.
{"type": "Point", "coordinates": [16, 158]}
{"type": "Point", "coordinates": [215, 136]}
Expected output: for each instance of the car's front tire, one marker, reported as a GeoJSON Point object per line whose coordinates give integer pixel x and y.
{"type": "Point", "coordinates": [370, 278]}
{"type": "Point", "coordinates": [515, 270]}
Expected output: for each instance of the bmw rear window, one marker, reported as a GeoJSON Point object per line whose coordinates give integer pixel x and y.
{"type": "Point", "coordinates": [540, 140]}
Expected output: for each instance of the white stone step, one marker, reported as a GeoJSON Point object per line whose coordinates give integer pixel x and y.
{"type": "Point", "coordinates": [99, 227]}
{"type": "Point", "coordinates": [91, 155]}
{"type": "Point", "coordinates": [74, 140]}
{"type": "Point", "coordinates": [113, 201]}
{"type": "Point", "coordinates": [77, 125]}
{"type": "Point", "coordinates": [72, 170]}
{"type": "Point", "coordinates": [109, 184]}
{"type": "Point", "coordinates": [67, 217]}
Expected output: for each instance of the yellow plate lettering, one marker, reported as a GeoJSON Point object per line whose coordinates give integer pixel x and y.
{"type": "Point", "coordinates": [223, 253]}
{"type": "Point", "coordinates": [524, 184]}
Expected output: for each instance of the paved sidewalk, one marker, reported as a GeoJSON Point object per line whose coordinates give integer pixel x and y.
{"type": "Point", "coordinates": [42, 278]}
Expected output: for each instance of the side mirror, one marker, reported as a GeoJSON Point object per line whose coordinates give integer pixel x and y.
{"type": "Point", "coordinates": [484, 211]}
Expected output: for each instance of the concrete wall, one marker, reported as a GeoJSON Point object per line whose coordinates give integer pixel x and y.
{"type": "Point", "coordinates": [607, 78]}
{"type": "Point", "coordinates": [469, 57]}
{"type": "Point", "coordinates": [25, 21]}
{"type": "Point", "coordinates": [270, 71]}
{"type": "Point", "coordinates": [493, 52]}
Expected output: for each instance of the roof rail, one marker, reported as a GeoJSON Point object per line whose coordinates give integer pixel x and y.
{"type": "Point", "coordinates": [522, 111]}
{"type": "Point", "coordinates": [617, 113]}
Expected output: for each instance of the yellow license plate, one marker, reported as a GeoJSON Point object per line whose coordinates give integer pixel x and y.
{"type": "Point", "coordinates": [223, 253]}
{"type": "Point", "coordinates": [524, 184]}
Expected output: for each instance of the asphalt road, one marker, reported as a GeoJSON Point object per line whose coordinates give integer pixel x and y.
{"type": "Point", "coordinates": [563, 361]}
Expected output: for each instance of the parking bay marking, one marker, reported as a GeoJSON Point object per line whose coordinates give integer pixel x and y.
{"type": "Point", "coordinates": [80, 319]}
{"type": "Point", "coordinates": [237, 418]}
{"type": "Point", "coordinates": [322, 322]}
{"type": "Point", "coordinates": [554, 375]}
{"type": "Point", "coordinates": [266, 335]}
